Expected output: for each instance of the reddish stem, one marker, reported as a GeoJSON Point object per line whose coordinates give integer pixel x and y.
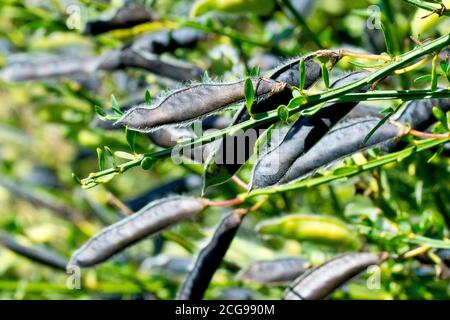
{"type": "Point", "coordinates": [428, 135]}
{"type": "Point", "coordinates": [226, 203]}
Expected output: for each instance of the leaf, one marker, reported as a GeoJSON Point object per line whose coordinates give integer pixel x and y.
{"type": "Point", "coordinates": [131, 139]}
{"type": "Point", "coordinates": [387, 39]}
{"type": "Point", "coordinates": [283, 113]}
{"type": "Point", "coordinates": [325, 76]}
{"type": "Point", "coordinates": [249, 93]}
{"type": "Point", "coordinates": [76, 179]}
{"type": "Point", "coordinates": [99, 110]}
{"type": "Point", "coordinates": [124, 155]}
{"type": "Point", "coordinates": [101, 159]}
{"type": "Point", "coordinates": [424, 78]}
{"type": "Point", "coordinates": [434, 74]}
{"type": "Point", "coordinates": [148, 97]}
{"type": "Point", "coordinates": [436, 154]}
{"type": "Point", "coordinates": [438, 114]}
{"type": "Point", "coordinates": [115, 105]}
{"type": "Point", "coordinates": [302, 74]}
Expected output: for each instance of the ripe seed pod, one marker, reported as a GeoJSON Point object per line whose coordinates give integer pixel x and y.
{"type": "Point", "coordinates": [303, 134]}
{"type": "Point", "coordinates": [126, 17]}
{"type": "Point", "coordinates": [344, 140]}
{"type": "Point", "coordinates": [274, 271]}
{"type": "Point", "coordinates": [320, 282]}
{"type": "Point", "coordinates": [154, 217]}
{"type": "Point", "coordinates": [38, 254]}
{"type": "Point", "coordinates": [210, 257]}
{"type": "Point", "coordinates": [197, 101]}
{"type": "Point", "coordinates": [219, 169]}
{"type": "Point", "coordinates": [314, 228]}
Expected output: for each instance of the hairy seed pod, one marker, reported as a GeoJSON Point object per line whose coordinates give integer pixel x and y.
{"type": "Point", "coordinates": [194, 102]}
{"type": "Point", "coordinates": [363, 111]}
{"type": "Point", "coordinates": [154, 217]}
{"type": "Point", "coordinates": [344, 140]}
{"type": "Point", "coordinates": [124, 18]}
{"type": "Point", "coordinates": [314, 228]}
{"type": "Point", "coordinates": [274, 271]}
{"type": "Point", "coordinates": [221, 165]}
{"type": "Point", "coordinates": [303, 134]}
{"type": "Point", "coordinates": [168, 41]}
{"type": "Point", "coordinates": [187, 183]}
{"type": "Point", "coordinates": [320, 282]}
{"type": "Point", "coordinates": [38, 254]}
{"type": "Point", "coordinates": [210, 257]}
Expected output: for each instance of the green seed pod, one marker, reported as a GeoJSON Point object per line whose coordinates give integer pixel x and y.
{"type": "Point", "coordinates": [314, 228]}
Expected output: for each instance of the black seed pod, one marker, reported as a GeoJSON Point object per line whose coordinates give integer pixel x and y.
{"type": "Point", "coordinates": [210, 257]}
{"type": "Point", "coordinates": [303, 134]}
{"type": "Point", "coordinates": [320, 282]}
{"type": "Point", "coordinates": [345, 139]}
{"type": "Point", "coordinates": [274, 271]}
{"type": "Point", "coordinates": [151, 219]}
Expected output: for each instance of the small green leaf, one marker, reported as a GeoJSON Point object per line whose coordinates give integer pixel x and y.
{"type": "Point", "coordinates": [76, 179]}
{"type": "Point", "coordinates": [249, 93]}
{"type": "Point", "coordinates": [387, 39]}
{"type": "Point", "coordinates": [147, 163]}
{"type": "Point", "coordinates": [111, 156]}
{"type": "Point", "coordinates": [99, 110]}
{"type": "Point", "coordinates": [325, 76]}
{"type": "Point", "coordinates": [148, 97]}
{"type": "Point", "coordinates": [124, 155]}
{"type": "Point", "coordinates": [438, 114]}
{"type": "Point", "coordinates": [436, 154]}
{"type": "Point", "coordinates": [302, 74]}
{"type": "Point", "coordinates": [389, 112]}
{"type": "Point", "coordinates": [115, 105]}
{"type": "Point", "coordinates": [283, 113]}
{"type": "Point", "coordinates": [101, 159]}
{"type": "Point", "coordinates": [131, 139]}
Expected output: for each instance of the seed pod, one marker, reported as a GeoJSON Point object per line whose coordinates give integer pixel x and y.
{"type": "Point", "coordinates": [194, 102]}
{"type": "Point", "coordinates": [168, 41]}
{"type": "Point", "coordinates": [210, 257]}
{"type": "Point", "coordinates": [363, 111]}
{"type": "Point", "coordinates": [315, 228]}
{"type": "Point", "coordinates": [126, 17]}
{"type": "Point", "coordinates": [38, 254]}
{"type": "Point", "coordinates": [154, 217]}
{"type": "Point", "coordinates": [344, 140]}
{"type": "Point", "coordinates": [221, 165]}
{"type": "Point", "coordinates": [303, 134]}
{"type": "Point", "coordinates": [187, 183]}
{"type": "Point", "coordinates": [320, 282]}
{"type": "Point", "coordinates": [274, 271]}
